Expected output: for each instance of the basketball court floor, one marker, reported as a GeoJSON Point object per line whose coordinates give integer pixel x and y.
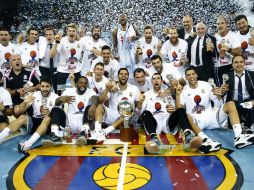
{"type": "Point", "coordinates": [118, 165]}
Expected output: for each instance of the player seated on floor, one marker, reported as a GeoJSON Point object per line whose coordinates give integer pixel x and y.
{"type": "Point", "coordinates": [37, 106]}
{"type": "Point", "coordinates": [82, 103]}
{"type": "Point", "coordinates": [196, 98]}
{"type": "Point", "coordinates": [159, 115]}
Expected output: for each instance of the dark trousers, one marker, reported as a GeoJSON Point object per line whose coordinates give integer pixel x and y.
{"type": "Point", "coordinates": [246, 115]}
{"type": "Point", "coordinates": [177, 117]}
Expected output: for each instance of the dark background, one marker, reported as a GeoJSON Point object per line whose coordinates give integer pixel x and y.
{"type": "Point", "coordinates": [8, 9]}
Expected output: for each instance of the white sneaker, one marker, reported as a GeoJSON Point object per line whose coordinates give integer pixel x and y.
{"type": "Point", "coordinates": [23, 146]}
{"type": "Point", "coordinates": [98, 135]}
{"type": "Point", "coordinates": [209, 145]}
{"type": "Point", "coordinates": [244, 140]}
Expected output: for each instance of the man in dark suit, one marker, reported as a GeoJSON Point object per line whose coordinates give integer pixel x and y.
{"type": "Point", "coordinates": [241, 90]}
{"type": "Point", "coordinates": [188, 29]}
{"type": "Point", "coordinates": [201, 52]}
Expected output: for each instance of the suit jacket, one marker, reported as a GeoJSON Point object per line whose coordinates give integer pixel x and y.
{"type": "Point", "coordinates": [207, 56]}
{"type": "Point", "coordinates": [181, 32]}
{"type": "Point", "coordinates": [249, 84]}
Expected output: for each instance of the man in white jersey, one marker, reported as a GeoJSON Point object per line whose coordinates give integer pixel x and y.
{"type": "Point", "coordinates": [176, 50]}
{"type": "Point", "coordinates": [196, 98]}
{"type": "Point", "coordinates": [246, 35]}
{"type": "Point", "coordinates": [79, 101]}
{"type": "Point", "coordinates": [110, 114]}
{"type": "Point", "coordinates": [70, 55]}
{"type": "Point", "coordinates": [97, 81]}
{"type": "Point", "coordinates": [29, 51]}
{"type": "Point", "coordinates": [94, 44]}
{"type": "Point", "coordinates": [146, 47]}
{"type": "Point", "coordinates": [111, 66]}
{"type": "Point", "coordinates": [41, 103]}
{"type": "Point", "coordinates": [123, 42]}
{"type": "Point", "coordinates": [6, 49]}
{"type": "Point", "coordinates": [228, 45]}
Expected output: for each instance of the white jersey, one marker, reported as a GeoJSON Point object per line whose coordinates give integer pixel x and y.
{"type": "Point", "coordinates": [37, 103]}
{"type": "Point", "coordinates": [199, 99]}
{"type": "Point", "coordinates": [98, 87]}
{"type": "Point", "coordinates": [25, 50]}
{"type": "Point", "coordinates": [232, 41]}
{"type": "Point", "coordinates": [248, 53]}
{"type": "Point", "coordinates": [131, 93]}
{"type": "Point", "coordinates": [126, 49]}
{"type": "Point", "coordinates": [113, 64]}
{"type": "Point", "coordinates": [70, 56]}
{"type": "Point", "coordinates": [4, 51]}
{"type": "Point", "coordinates": [89, 56]}
{"type": "Point", "coordinates": [148, 51]}
{"type": "Point", "coordinates": [5, 98]}
{"type": "Point", "coordinates": [81, 101]}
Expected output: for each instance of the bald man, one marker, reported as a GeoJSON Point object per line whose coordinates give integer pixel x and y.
{"type": "Point", "coordinates": [188, 28]}
{"type": "Point", "coordinates": [202, 52]}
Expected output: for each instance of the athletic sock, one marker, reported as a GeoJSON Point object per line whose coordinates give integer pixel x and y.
{"type": "Point", "coordinates": [5, 133]}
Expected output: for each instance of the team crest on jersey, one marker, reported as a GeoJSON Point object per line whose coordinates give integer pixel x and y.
{"type": "Point", "coordinates": [203, 91]}
{"type": "Point", "coordinates": [154, 47]}
{"type": "Point", "coordinates": [25, 77]}
{"type": "Point", "coordinates": [130, 94]}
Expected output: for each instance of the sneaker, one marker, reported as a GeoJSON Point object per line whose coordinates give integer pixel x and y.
{"type": "Point", "coordinates": [81, 141]}
{"type": "Point", "coordinates": [244, 140]}
{"type": "Point", "coordinates": [98, 135]}
{"type": "Point", "coordinates": [155, 146]}
{"type": "Point", "coordinates": [192, 142]}
{"type": "Point", "coordinates": [209, 145]}
{"type": "Point", "coordinates": [52, 141]}
{"type": "Point", "coordinates": [23, 147]}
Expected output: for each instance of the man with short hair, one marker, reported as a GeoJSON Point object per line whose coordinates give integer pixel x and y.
{"type": "Point", "coordinates": [188, 28]}
{"type": "Point", "coordinates": [196, 98]}
{"type": "Point", "coordinates": [246, 36]}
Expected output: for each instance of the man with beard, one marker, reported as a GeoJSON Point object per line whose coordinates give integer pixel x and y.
{"type": "Point", "coordinates": [228, 45]}
{"type": "Point", "coordinates": [79, 108]}
{"type": "Point", "coordinates": [146, 47]}
{"type": "Point", "coordinates": [6, 49]}
{"type": "Point", "coordinates": [188, 29]}
{"type": "Point", "coordinates": [202, 52]}
{"type": "Point", "coordinates": [246, 35]}
{"type": "Point", "coordinates": [70, 55]}
{"type": "Point", "coordinates": [29, 51]}
{"type": "Point", "coordinates": [41, 103]}
{"type": "Point", "coordinates": [94, 44]}
{"type": "Point", "coordinates": [111, 66]}
{"type": "Point", "coordinates": [196, 97]}
{"type": "Point", "coordinates": [176, 51]}
{"type": "Point", "coordinates": [110, 114]}
{"type": "Point", "coordinates": [123, 39]}
{"type": "Point", "coordinates": [20, 81]}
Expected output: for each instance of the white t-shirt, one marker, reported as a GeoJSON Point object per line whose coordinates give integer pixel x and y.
{"type": "Point", "coordinates": [24, 51]}
{"type": "Point", "coordinates": [98, 87]}
{"type": "Point", "coordinates": [81, 101]}
{"type": "Point", "coordinates": [148, 51]}
{"type": "Point", "coordinates": [88, 56]}
{"type": "Point", "coordinates": [5, 97]}
{"type": "Point", "coordinates": [198, 99]}
{"type": "Point", "coordinates": [131, 93]}
{"type": "Point", "coordinates": [113, 64]}
{"type": "Point", "coordinates": [37, 103]}
{"type": "Point", "coordinates": [3, 50]}
{"type": "Point", "coordinates": [232, 41]}
{"type": "Point", "coordinates": [248, 53]}
{"type": "Point", "coordinates": [68, 61]}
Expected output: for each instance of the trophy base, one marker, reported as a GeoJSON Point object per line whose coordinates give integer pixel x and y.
{"type": "Point", "coordinates": [127, 134]}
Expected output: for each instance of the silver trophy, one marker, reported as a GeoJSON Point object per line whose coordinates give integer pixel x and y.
{"type": "Point", "coordinates": [111, 74]}
{"type": "Point", "coordinates": [225, 78]}
{"type": "Point", "coordinates": [169, 77]}
{"type": "Point", "coordinates": [211, 82]}
{"type": "Point", "coordinates": [126, 109]}
{"type": "Point", "coordinates": [44, 102]}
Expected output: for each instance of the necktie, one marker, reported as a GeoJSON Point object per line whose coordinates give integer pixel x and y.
{"type": "Point", "coordinates": [51, 62]}
{"type": "Point", "coordinates": [197, 53]}
{"type": "Point", "coordinates": [240, 90]}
